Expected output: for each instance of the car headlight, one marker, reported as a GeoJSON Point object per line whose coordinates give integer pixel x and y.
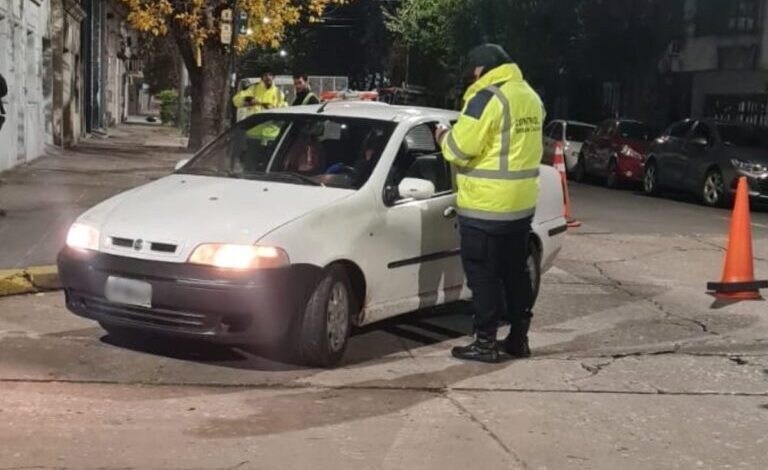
{"type": "Point", "coordinates": [748, 167]}
{"type": "Point", "coordinates": [83, 237]}
{"type": "Point", "coordinates": [628, 151]}
{"type": "Point", "coordinates": [239, 256]}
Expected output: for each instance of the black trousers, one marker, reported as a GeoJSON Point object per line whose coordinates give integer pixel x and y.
{"type": "Point", "coordinates": [495, 263]}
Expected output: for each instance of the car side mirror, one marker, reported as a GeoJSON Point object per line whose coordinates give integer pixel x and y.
{"type": "Point", "coordinates": [180, 164]}
{"type": "Point", "coordinates": [700, 142]}
{"type": "Point", "coordinates": [415, 188]}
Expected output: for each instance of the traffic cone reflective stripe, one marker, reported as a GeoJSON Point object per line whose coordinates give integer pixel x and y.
{"type": "Point", "coordinates": [738, 281]}
{"type": "Point", "coordinates": [559, 164]}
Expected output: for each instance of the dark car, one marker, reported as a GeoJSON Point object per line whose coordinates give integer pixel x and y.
{"type": "Point", "coordinates": [705, 157]}
{"type": "Point", "coordinates": [615, 152]}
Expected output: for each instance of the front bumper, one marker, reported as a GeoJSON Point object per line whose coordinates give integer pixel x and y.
{"type": "Point", "coordinates": [758, 187]}
{"type": "Point", "coordinates": [630, 169]}
{"type": "Point", "coordinates": [190, 301]}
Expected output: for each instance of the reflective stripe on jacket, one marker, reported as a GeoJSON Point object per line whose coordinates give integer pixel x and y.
{"type": "Point", "coordinates": [496, 147]}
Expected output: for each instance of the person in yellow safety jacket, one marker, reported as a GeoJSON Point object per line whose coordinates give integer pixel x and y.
{"type": "Point", "coordinates": [304, 95]}
{"type": "Point", "coordinates": [495, 148]}
{"type": "Point", "coordinates": [259, 97]}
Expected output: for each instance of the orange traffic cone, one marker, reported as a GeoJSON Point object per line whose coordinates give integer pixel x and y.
{"type": "Point", "coordinates": [738, 276]}
{"type": "Point", "coordinates": [559, 164]}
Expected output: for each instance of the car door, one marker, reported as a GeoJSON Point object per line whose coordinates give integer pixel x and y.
{"type": "Point", "coordinates": [603, 149]}
{"type": "Point", "coordinates": [548, 143]}
{"type": "Point", "coordinates": [592, 148]}
{"type": "Point", "coordinates": [694, 155]}
{"type": "Point", "coordinates": [419, 239]}
{"type": "Point", "coordinates": [667, 152]}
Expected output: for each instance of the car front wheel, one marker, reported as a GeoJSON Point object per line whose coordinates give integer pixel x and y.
{"type": "Point", "coordinates": [713, 189]}
{"type": "Point", "coordinates": [651, 179]}
{"type": "Point", "coordinates": [612, 179]}
{"type": "Point", "coordinates": [580, 170]}
{"type": "Point", "coordinates": [326, 325]}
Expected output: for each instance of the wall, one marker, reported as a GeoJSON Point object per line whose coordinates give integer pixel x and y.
{"type": "Point", "coordinates": [23, 28]}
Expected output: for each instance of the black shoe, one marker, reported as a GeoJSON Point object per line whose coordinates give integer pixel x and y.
{"type": "Point", "coordinates": [516, 347]}
{"type": "Point", "coordinates": [479, 350]}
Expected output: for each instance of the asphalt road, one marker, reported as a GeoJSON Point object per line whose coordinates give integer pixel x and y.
{"type": "Point", "coordinates": [634, 367]}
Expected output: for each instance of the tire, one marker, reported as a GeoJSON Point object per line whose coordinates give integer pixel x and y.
{"type": "Point", "coordinates": [651, 179]}
{"type": "Point", "coordinates": [712, 193]}
{"type": "Point", "coordinates": [324, 331]}
{"type": "Point", "coordinates": [580, 170]}
{"type": "Point", "coordinates": [534, 269]}
{"type": "Point", "coordinates": [612, 179]}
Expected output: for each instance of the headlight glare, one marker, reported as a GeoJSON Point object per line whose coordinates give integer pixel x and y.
{"type": "Point", "coordinates": [83, 237]}
{"type": "Point", "coordinates": [239, 256]}
{"type": "Point", "coordinates": [749, 167]}
{"type": "Point", "coordinates": [628, 151]}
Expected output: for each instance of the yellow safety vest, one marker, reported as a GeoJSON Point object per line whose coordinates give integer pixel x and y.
{"type": "Point", "coordinates": [264, 98]}
{"type": "Point", "coordinates": [496, 147]}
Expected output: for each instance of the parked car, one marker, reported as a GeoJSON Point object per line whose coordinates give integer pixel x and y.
{"type": "Point", "coordinates": [705, 158]}
{"type": "Point", "coordinates": [289, 228]}
{"type": "Point", "coordinates": [571, 134]}
{"type": "Point", "coordinates": [615, 152]}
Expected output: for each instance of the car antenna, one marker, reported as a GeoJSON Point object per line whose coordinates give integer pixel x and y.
{"type": "Point", "coordinates": [322, 107]}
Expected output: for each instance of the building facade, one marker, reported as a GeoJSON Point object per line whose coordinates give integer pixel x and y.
{"type": "Point", "coordinates": [724, 59]}
{"type": "Point", "coordinates": [25, 43]}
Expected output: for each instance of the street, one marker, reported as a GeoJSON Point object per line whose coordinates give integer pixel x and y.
{"type": "Point", "coordinates": [634, 366]}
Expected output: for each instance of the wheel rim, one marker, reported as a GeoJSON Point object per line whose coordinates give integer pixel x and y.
{"type": "Point", "coordinates": [338, 317]}
{"type": "Point", "coordinates": [650, 179]}
{"type": "Point", "coordinates": [713, 188]}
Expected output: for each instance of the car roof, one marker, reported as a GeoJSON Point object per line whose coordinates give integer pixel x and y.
{"type": "Point", "coordinates": [370, 110]}
{"type": "Point", "coordinates": [577, 123]}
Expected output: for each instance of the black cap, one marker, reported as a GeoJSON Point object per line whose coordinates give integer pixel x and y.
{"type": "Point", "coordinates": [488, 56]}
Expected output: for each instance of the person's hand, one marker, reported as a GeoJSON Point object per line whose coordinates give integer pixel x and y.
{"type": "Point", "coordinates": [440, 131]}
{"type": "Point", "coordinates": [249, 100]}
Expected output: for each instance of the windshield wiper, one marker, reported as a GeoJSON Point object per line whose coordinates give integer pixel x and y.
{"type": "Point", "coordinates": [290, 175]}
{"type": "Point", "coordinates": [210, 172]}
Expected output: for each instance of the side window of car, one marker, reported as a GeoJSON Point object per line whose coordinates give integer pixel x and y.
{"type": "Point", "coordinates": [557, 131]}
{"type": "Point", "coordinates": [420, 157]}
{"type": "Point", "coordinates": [680, 130]}
{"type": "Point", "coordinates": [604, 129]}
{"type": "Point", "coordinates": [703, 131]}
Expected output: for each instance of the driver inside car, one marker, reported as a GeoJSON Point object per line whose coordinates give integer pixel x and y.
{"type": "Point", "coordinates": [307, 157]}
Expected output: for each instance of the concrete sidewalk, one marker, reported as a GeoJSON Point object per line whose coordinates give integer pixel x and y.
{"type": "Point", "coordinates": [42, 199]}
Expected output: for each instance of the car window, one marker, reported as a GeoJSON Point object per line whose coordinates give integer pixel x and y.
{"type": "Point", "coordinates": [635, 130]}
{"type": "Point", "coordinates": [420, 157]}
{"type": "Point", "coordinates": [702, 131]}
{"type": "Point", "coordinates": [604, 129]}
{"type": "Point", "coordinates": [578, 132]}
{"type": "Point", "coordinates": [298, 149]}
{"type": "Point", "coordinates": [548, 129]}
{"type": "Point", "coordinates": [680, 130]}
{"type": "Point", "coordinates": [739, 135]}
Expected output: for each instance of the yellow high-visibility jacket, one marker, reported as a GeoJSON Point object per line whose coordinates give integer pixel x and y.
{"type": "Point", "coordinates": [263, 98]}
{"type": "Point", "coordinates": [496, 147]}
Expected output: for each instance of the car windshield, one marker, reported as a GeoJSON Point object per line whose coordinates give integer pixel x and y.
{"type": "Point", "coordinates": [578, 133]}
{"type": "Point", "coordinates": [743, 136]}
{"type": "Point", "coordinates": [635, 130]}
{"type": "Point", "coordinates": [297, 149]}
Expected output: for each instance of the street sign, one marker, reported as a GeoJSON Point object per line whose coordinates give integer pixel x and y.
{"type": "Point", "coordinates": [226, 33]}
{"type": "Point", "coordinates": [226, 15]}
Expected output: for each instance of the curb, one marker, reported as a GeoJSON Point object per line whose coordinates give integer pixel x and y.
{"type": "Point", "coordinates": [29, 280]}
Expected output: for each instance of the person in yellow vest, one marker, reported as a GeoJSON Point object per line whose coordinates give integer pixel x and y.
{"type": "Point", "coordinates": [261, 96]}
{"type": "Point", "coordinates": [495, 148]}
{"type": "Point", "coordinates": [304, 93]}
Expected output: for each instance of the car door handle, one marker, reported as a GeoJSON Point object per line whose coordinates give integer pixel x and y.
{"type": "Point", "coordinates": [449, 212]}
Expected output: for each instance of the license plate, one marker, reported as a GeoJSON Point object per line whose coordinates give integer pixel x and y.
{"type": "Point", "coordinates": [128, 292]}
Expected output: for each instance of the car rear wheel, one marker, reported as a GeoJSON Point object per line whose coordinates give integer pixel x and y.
{"type": "Point", "coordinates": [324, 331]}
{"type": "Point", "coordinates": [713, 189]}
{"type": "Point", "coordinates": [580, 170]}
{"type": "Point", "coordinates": [612, 179]}
{"type": "Point", "coordinates": [651, 179]}
{"type": "Point", "coordinates": [534, 269]}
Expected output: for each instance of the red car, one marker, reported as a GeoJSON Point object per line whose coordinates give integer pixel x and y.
{"type": "Point", "coordinates": [616, 152]}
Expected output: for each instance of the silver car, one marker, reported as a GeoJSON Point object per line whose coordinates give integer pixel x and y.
{"type": "Point", "coordinates": [572, 134]}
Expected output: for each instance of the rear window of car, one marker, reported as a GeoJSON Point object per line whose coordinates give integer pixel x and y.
{"type": "Point", "coordinates": [743, 136]}
{"type": "Point", "coordinates": [635, 130]}
{"type": "Point", "coordinates": [578, 133]}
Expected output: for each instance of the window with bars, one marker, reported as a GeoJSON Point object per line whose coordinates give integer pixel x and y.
{"type": "Point", "coordinates": [727, 16]}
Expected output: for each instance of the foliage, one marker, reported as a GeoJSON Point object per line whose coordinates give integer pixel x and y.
{"type": "Point", "coordinates": [169, 105]}
{"type": "Point", "coordinates": [429, 25]}
{"type": "Point", "coordinates": [267, 19]}
{"type": "Point", "coordinates": [160, 62]}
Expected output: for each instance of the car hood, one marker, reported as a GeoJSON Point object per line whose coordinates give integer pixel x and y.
{"type": "Point", "coordinates": [751, 154]}
{"type": "Point", "coordinates": [635, 144]}
{"type": "Point", "coordinates": [183, 211]}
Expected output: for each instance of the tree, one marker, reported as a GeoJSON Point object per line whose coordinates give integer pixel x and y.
{"type": "Point", "coordinates": [195, 27]}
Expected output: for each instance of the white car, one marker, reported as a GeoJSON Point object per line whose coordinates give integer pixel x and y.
{"type": "Point", "coordinates": [288, 229]}
{"type": "Point", "coordinates": [572, 135]}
